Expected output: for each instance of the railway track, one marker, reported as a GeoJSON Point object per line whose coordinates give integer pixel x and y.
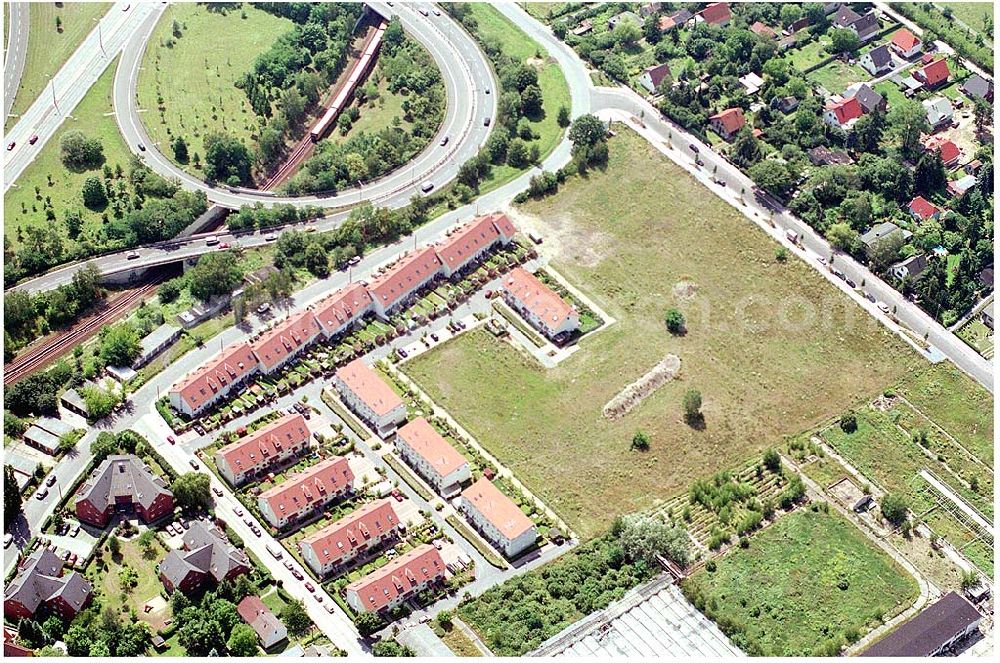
{"type": "Point", "coordinates": [61, 343]}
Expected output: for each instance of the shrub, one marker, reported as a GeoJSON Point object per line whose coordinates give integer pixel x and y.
{"type": "Point", "coordinates": [848, 422]}
{"type": "Point", "coordinates": [675, 321]}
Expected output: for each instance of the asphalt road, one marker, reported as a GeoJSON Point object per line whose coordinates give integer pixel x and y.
{"type": "Point", "coordinates": [16, 52]}
{"type": "Point", "coordinates": [70, 84]}
{"type": "Point", "coordinates": [471, 98]}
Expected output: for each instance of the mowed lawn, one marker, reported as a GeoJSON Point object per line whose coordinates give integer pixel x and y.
{"type": "Point", "coordinates": [625, 237]}
{"type": "Point", "coordinates": [196, 82]}
{"type": "Point", "coordinates": [48, 48]}
{"type": "Point", "coordinates": [810, 578]}
{"type": "Point", "coordinates": [94, 117]}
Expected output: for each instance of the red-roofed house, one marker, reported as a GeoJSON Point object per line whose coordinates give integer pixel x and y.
{"type": "Point", "coordinates": [370, 397]}
{"type": "Point", "coordinates": [934, 74]}
{"type": "Point", "coordinates": [263, 450]}
{"type": "Point", "coordinates": [498, 518]}
{"type": "Point", "coordinates": [653, 76]}
{"type": "Point", "coordinates": [763, 30]}
{"type": "Point", "coordinates": [390, 585]}
{"type": "Point", "coordinates": [716, 13]}
{"type": "Point", "coordinates": [404, 279]}
{"type": "Point", "coordinates": [469, 242]}
{"type": "Point", "coordinates": [269, 629]}
{"type": "Point", "coordinates": [842, 113]}
{"type": "Point", "coordinates": [539, 304]}
{"type": "Point", "coordinates": [922, 209]}
{"type": "Point", "coordinates": [303, 494]}
{"type": "Point", "coordinates": [214, 380]}
{"type": "Point", "coordinates": [342, 309]}
{"type": "Point", "coordinates": [430, 454]}
{"type": "Point", "coordinates": [950, 152]}
{"type": "Point", "coordinates": [728, 122]}
{"type": "Point", "coordinates": [905, 43]}
{"type": "Point", "coordinates": [340, 542]}
{"type": "Point", "coordinates": [276, 346]}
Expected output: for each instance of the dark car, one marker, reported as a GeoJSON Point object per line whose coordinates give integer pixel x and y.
{"type": "Point", "coordinates": [693, 147]}
{"type": "Point", "coordinates": [10, 146]}
{"type": "Point", "coordinates": [486, 122]}
{"type": "Point", "coordinates": [33, 140]}
{"type": "Point", "coordinates": [850, 283]}
{"type": "Point", "coordinates": [142, 148]}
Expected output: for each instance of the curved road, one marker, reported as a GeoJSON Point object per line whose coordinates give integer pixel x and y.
{"type": "Point", "coordinates": [16, 52]}
{"type": "Point", "coordinates": [467, 76]}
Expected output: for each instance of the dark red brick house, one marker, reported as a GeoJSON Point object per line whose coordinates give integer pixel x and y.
{"type": "Point", "coordinates": [123, 484]}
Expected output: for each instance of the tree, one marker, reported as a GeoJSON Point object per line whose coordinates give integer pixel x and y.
{"type": "Point", "coordinates": [316, 260]}
{"type": "Point", "coordinates": [30, 632]}
{"type": "Point", "coordinates": [120, 345]}
{"type": "Point", "coordinates": [390, 649]}
{"type": "Point", "coordinates": [645, 537]}
{"type": "Point", "coordinates": [198, 634]}
{"type": "Point", "coordinates": [774, 177]}
{"type": "Point", "coordinates": [675, 320]}
{"type": "Point", "coordinates": [227, 159]}
{"type": "Point", "coordinates": [586, 131]}
{"type": "Point", "coordinates": [842, 236]}
{"type": "Point", "coordinates": [906, 120]}
{"type": "Point", "coordinates": [79, 153]}
{"type": "Point", "coordinates": [367, 622]}
{"type": "Point", "coordinates": [626, 33]}
{"type": "Point", "coordinates": [772, 460]}
{"type": "Point", "coordinates": [11, 496]}
{"type": "Point", "coordinates": [640, 441]}
{"type": "Point", "coordinates": [105, 445]}
{"type": "Point", "coordinates": [242, 641]}
{"type": "Point", "coordinates": [563, 116]}
{"type": "Point", "coordinates": [146, 541]}
{"type": "Point", "coordinates": [94, 196]}
{"type": "Point", "coordinates": [930, 175]}
{"type": "Point", "coordinates": [746, 149]}
{"type": "Point", "coordinates": [517, 153]}
{"type": "Point", "coordinates": [983, 113]}
{"type": "Point", "coordinates": [868, 129]}
{"type": "Point", "coordinates": [180, 148]}
{"type": "Point", "coordinates": [844, 40]}
{"type": "Point", "coordinates": [215, 274]}
{"type": "Point", "coordinates": [114, 545]}
{"type": "Point", "coordinates": [169, 291]}
{"type": "Point", "coordinates": [192, 491]}
{"type": "Point", "coordinates": [692, 406]}
{"type": "Point", "coordinates": [296, 619]}
{"type": "Point", "coordinates": [848, 422]}
{"type": "Point", "coordinates": [894, 508]}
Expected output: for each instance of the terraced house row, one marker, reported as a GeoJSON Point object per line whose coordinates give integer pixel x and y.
{"type": "Point", "coordinates": [274, 348]}
{"type": "Point", "coordinates": [349, 538]}
{"type": "Point", "coordinates": [263, 450]}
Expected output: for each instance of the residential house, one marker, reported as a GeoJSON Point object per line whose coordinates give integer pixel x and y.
{"type": "Point", "coordinates": [824, 156]}
{"type": "Point", "coordinates": [263, 450]}
{"type": "Point", "coordinates": [432, 457]}
{"type": "Point", "coordinates": [344, 540]}
{"type": "Point", "coordinates": [676, 20]}
{"type": "Point", "coordinates": [882, 231]}
{"type": "Point", "coordinates": [728, 122]}
{"type": "Point", "coordinates": [866, 27]}
{"type": "Point", "coordinates": [986, 315]}
{"type": "Point", "coordinates": [206, 556]}
{"type": "Point", "coordinates": [869, 99]}
{"type": "Point", "coordinates": [369, 397]}
{"type": "Point", "coordinates": [950, 152]}
{"type": "Point", "coordinates": [286, 340]}
{"type": "Point", "coordinates": [401, 281]}
{"type": "Point", "coordinates": [630, 17]}
{"type": "Point", "coordinates": [939, 112]}
{"type": "Point", "coordinates": [800, 24]}
{"type": "Point", "coordinates": [922, 209]}
{"type": "Point", "coordinates": [752, 83]}
{"type": "Point", "coordinates": [585, 26]}
{"type": "Point", "coordinates": [41, 439]}
{"type": "Point", "coordinates": [498, 518]}
{"type": "Point", "coordinates": [986, 278]}
{"type": "Point", "coordinates": [877, 61]}
{"type": "Point", "coordinates": [11, 648]}
{"type": "Point", "coordinates": [126, 485]}
{"type": "Point", "coordinates": [404, 577]}
{"type": "Point", "coordinates": [209, 384]}
{"type": "Point", "coordinates": [843, 113]}
{"type": "Point", "coordinates": [961, 185]}
{"type": "Point", "coordinates": [269, 629]}
{"type": "Point", "coordinates": [912, 268]}
{"type": "Point", "coordinates": [40, 582]}
{"type": "Point", "coordinates": [470, 242]}
{"type": "Point", "coordinates": [155, 342]}
{"type": "Point", "coordinates": [906, 44]}
{"type": "Point", "coordinates": [541, 306]}
{"type": "Point", "coordinates": [73, 401]}
{"type": "Point", "coordinates": [716, 13]}
{"type": "Point", "coordinates": [759, 28]}
{"type": "Point", "coordinates": [933, 75]}
{"type": "Point", "coordinates": [977, 87]}
{"type": "Point", "coordinates": [306, 493]}
{"type": "Point", "coordinates": [845, 17]}
{"type": "Point", "coordinates": [932, 632]}
{"type": "Point", "coordinates": [785, 104]}
{"type": "Point", "coordinates": [653, 76]}
{"type": "Point", "coordinates": [342, 309]}
{"type": "Point", "coordinates": [650, 8]}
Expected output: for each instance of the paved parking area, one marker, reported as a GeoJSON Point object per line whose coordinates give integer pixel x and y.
{"type": "Point", "coordinates": [364, 471]}
{"type": "Point", "coordinates": [422, 639]}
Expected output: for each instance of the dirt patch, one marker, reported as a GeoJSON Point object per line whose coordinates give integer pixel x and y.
{"type": "Point", "coordinates": [685, 290]}
{"type": "Point", "coordinates": [631, 396]}
{"type": "Point", "coordinates": [562, 237]}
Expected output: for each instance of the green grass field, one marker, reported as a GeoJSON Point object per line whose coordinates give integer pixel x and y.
{"type": "Point", "coordinates": [48, 48]}
{"type": "Point", "coordinates": [625, 237]}
{"type": "Point", "coordinates": [148, 586]}
{"type": "Point", "coordinates": [808, 579]}
{"type": "Point", "coordinates": [23, 207]}
{"type": "Point", "coordinates": [837, 75]}
{"type": "Point", "coordinates": [970, 13]}
{"type": "Point", "coordinates": [196, 84]}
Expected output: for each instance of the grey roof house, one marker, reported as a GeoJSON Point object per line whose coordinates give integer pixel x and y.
{"type": "Point", "coordinates": [912, 268]}
{"type": "Point", "coordinates": [977, 87]}
{"type": "Point", "coordinates": [866, 27]}
{"type": "Point", "coordinates": [40, 581]}
{"type": "Point", "coordinates": [123, 483]}
{"type": "Point", "coordinates": [207, 554]}
{"type": "Point", "coordinates": [877, 61]}
{"type": "Point", "coordinates": [869, 99]}
{"type": "Point", "coordinates": [881, 231]}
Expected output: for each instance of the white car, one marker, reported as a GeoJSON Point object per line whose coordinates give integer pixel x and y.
{"type": "Point", "coordinates": [7, 540]}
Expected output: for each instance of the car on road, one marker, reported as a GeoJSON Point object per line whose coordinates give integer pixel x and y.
{"type": "Point", "coordinates": [486, 121]}
{"type": "Point", "coordinates": [223, 246]}
{"type": "Point", "coordinates": [132, 255]}
{"type": "Point", "coordinates": [437, 12]}
{"type": "Point", "coordinates": [7, 540]}
{"type": "Point", "coordinates": [851, 283]}
{"type": "Point", "coordinates": [287, 563]}
{"type": "Point", "coordinates": [444, 141]}
{"type": "Point", "coordinates": [309, 586]}
{"type": "Point", "coordinates": [33, 140]}
{"type": "Point", "coordinates": [318, 597]}
{"type": "Point", "coordinates": [238, 511]}
{"type": "Point", "coordinates": [217, 491]}
{"type": "Point", "coordinates": [193, 463]}
{"type": "Point", "coordinates": [10, 145]}
{"type": "Point", "coordinates": [870, 297]}
{"type": "Point", "coordinates": [142, 148]}
{"type": "Point", "coordinates": [270, 237]}
{"type": "Point", "coordinates": [424, 12]}
{"type": "Point", "coordinates": [487, 90]}
{"type": "Point", "coordinates": [329, 608]}
{"type": "Point", "coordinates": [126, 8]}
{"type": "Point", "coordinates": [50, 480]}
{"type": "Point", "coordinates": [275, 552]}
{"type": "Point", "coordinates": [256, 531]}
{"type": "Point", "coordinates": [249, 521]}
{"type": "Point", "coordinates": [41, 494]}
{"type": "Point", "coordinates": [171, 440]}
{"type": "Point", "coordinates": [426, 187]}
{"type": "Point", "coordinates": [296, 573]}
{"type": "Point", "coordinates": [211, 240]}
{"type": "Point", "coordinates": [693, 148]}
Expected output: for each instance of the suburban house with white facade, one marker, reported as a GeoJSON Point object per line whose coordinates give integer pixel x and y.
{"type": "Point", "coordinates": [356, 533]}
{"type": "Point", "coordinates": [370, 397]}
{"type": "Point", "coordinates": [541, 306]}
{"type": "Point", "coordinates": [284, 341]}
{"type": "Point", "coordinates": [432, 457]}
{"type": "Point", "coordinates": [498, 518]}
{"type": "Point", "coordinates": [470, 242]}
{"type": "Point", "coordinates": [214, 381]}
{"type": "Point", "coordinates": [404, 279]}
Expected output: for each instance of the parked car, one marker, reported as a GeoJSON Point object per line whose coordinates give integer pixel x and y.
{"type": "Point", "coordinates": [217, 491]}
{"type": "Point", "coordinates": [223, 246]}
{"type": "Point", "coordinates": [7, 540]}
{"type": "Point", "coordinates": [72, 559]}
{"type": "Point", "coordinates": [76, 530]}
{"type": "Point", "coordinates": [193, 463]}
{"type": "Point", "coordinates": [882, 306]}
{"type": "Point", "coordinates": [354, 261]}
{"type": "Point", "coordinates": [41, 494]}
{"type": "Point", "coordinates": [33, 140]}
{"type": "Point", "coordinates": [329, 608]}
{"type": "Point", "coordinates": [438, 544]}
{"type": "Point", "coordinates": [318, 597]}
{"type": "Point", "coordinates": [434, 337]}
{"type": "Point", "coordinates": [50, 480]}
{"type": "Point", "coordinates": [238, 511]}
{"type": "Point", "coordinates": [249, 521]}
{"type": "Point", "coordinates": [171, 440]}
{"type": "Point", "coordinates": [309, 586]}
{"type": "Point", "coordinates": [256, 531]}
{"type": "Point", "coordinates": [397, 495]}
{"type": "Point", "coordinates": [402, 353]}
{"type": "Point", "coordinates": [296, 574]}
{"type": "Point", "coordinates": [851, 283]}
{"type": "Point", "coordinates": [870, 297]}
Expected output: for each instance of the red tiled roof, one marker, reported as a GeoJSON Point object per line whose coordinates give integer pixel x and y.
{"type": "Point", "coordinates": [342, 307]}
{"type": "Point", "coordinates": [334, 541]}
{"type": "Point", "coordinates": [397, 578]}
{"type": "Point", "coordinates": [473, 237]}
{"type": "Point", "coordinates": [428, 444]}
{"type": "Point", "coordinates": [259, 448]}
{"type": "Point", "coordinates": [405, 277]}
{"type": "Point", "coordinates": [497, 508]}
{"type": "Point", "coordinates": [923, 208]}
{"type": "Point", "coordinates": [950, 152]}
{"type": "Point", "coordinates": [285, 339]}
{"type": "Point", "coordinates": [936, 72]}
{"type": "Point", "coordinates": [904, 39]}
{"type": "Point", "coordinates": [537, 297]}
{"type": "Point", "coordinates": [763, 30]}
{"type": "Point", "coordinates": [229, 366]}
{"type": "Point", "coordinates": [846, 110]}
{"type": "Point", "coordinates": [303, 490]}
{"type": "Point", "coordinates": [717, 12]}
{"type": "Point", "coordinates": [369, 387]}
{"type": "Point", "coordinates": [732, 119]}
{"type": "Point", "coordinates": [657, 73]}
